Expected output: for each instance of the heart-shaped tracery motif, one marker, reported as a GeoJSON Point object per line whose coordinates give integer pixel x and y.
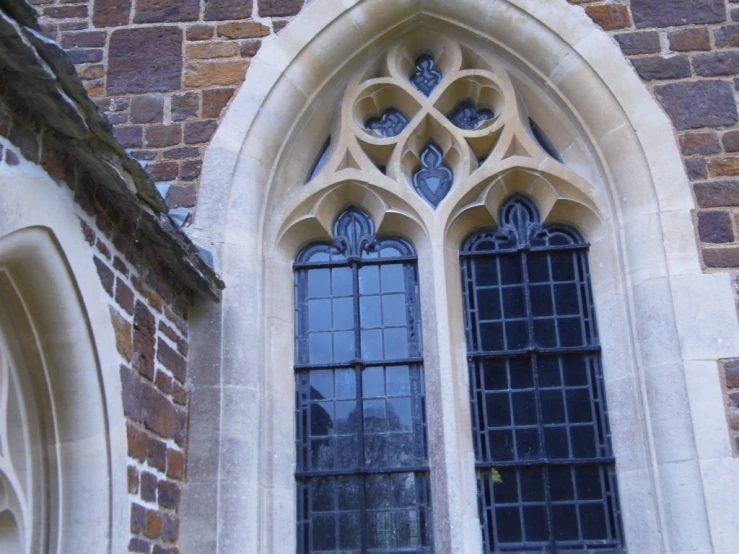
{"type": "Point", "coordinates": [433, 180]}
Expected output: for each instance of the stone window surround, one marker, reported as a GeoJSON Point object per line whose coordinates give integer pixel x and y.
{"type": "Point", "coordinates": [50, 279]}
{"type": "Point", "coordinates": [663, 322]}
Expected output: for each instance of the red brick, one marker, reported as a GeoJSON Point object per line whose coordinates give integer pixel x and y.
{"type": "Point", "coordinates": [147, 59]}
{"type": "Point", "coordinates": [149, 484]}
{"type": "Point", "coordinates": [163, 135]}
{"type": "Point", "coordinates": [138, 443]}
{"type": "Point", "coordinates": [143, 341]}
{"type": "Point", "coordinates": [610, 16]}
{"type": "Point", "coordinates": [170, 528]}
{"type": "Point", "coordinates": [123, 334]}
{"type": "Point", "coordinates": [138, 519]}
{"type": "Point", "coordinates": [279, 8]}
{"type": "Point", "coordinates": [641, 42]}
{"type": "Point", "coordinates": [133, 480]}
{"type": "Point", "coordinates": [105, 274]}
{"type": "Point", "coordinates": [703, 143]}
{"type": "Point", "coordinates": [153, 528]}
{"type": "Point", "coordinates": [215, 100]}
{"type": "Point", "coordinates": [715, 227]}
{"type": "Point", "coordinates": [124, 296]}
{"type": "Point", "coordinates": [110, 13]}
{"type": "Point", "coordinates": [721, 257]}
{"type": "Point", "coordinates": [157, 454]}
{"type": "Point", "coordinates": [175, 465]}
{"type": "Point", "coordinates": [685, 40]}
{"type": "Point", "coordinates": [724, 167]}
{"type": "Point", "coordinates": [160, 11]}
{"type": "Point", "coordinates": [243, 29]}
{"type": "Point", "coordinates": [731, 369]}
{"type": "Point", "coordinates": [169, 495]}
{"type": "Point", "coordinates": [172, 360]}
{"type": "Point", "coordinates": [200, 32]}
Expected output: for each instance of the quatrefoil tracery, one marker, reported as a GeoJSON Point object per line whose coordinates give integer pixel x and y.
{"type": "Point", "coordinates": [429, 114]}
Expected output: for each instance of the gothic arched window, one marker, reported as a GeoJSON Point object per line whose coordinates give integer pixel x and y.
{"type": "Point", "coordinates": [546, 475]}
{"type": "Point", "coordinates": [362, 463]}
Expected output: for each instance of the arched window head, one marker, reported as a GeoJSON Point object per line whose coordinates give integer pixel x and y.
{"type": "Point", "coordinates": [362, 463]}
{"type": "Point", "coordinates": [545, 468]}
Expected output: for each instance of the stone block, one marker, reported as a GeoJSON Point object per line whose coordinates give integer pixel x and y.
{"type": "Point", "coordinates": [145, 60]}
{"type": "Point", "coordinates": [249, 48]}
{"type": "Point", "coordinates": [159, 136]}
{"type": "Point", "coordinates": [717, 193]}
{"type": "Point", "coordinates": [169, 495]}
{"type": "Point", "coordinates": [87, 39]}
{"type": "Point", "coordinates": [698, 104]}
{"type": "Point", "coordinates": [724, 167]}
{"type": "Point", "coordinates": [143, 341]}
{"type": "Point", "coordinates": [198, 132]}
{"type": "Point", "coordinates": [730, 141]}
{"type": "Point", "coordinates": [160, 11]}
{"type": "Point", "coordinates": [731, 373]}
{"type": "Point", "coordinates": [203, 74]}
{"type": "Point", "coordinates": [171, 360]}
{"type": "Point", "coordinates": [175, 465]}
{"type": "Point", "coordinates": [124, 296]}
{"type": "Point", "coordinates": [279, 8]}
{"type": "Point", "coordinates": [721, 257]}
{"type": "Point", "coordinates": [66, 12]}
{"type": "Point", "coordinates": [170, 528]}
{"type": "Point", "coordinates": [158, 413]}
{"type": "Point", "coordinates": [641, 42]}
{"type": "Point", "coordinates": [181, 153]}
{"type": "Point", "coordinates": [716, 63]}
{"type": "Point", "coordinates": [123, 335]}
{"type": "Point", "coordinates": [696, 168]}
{"type": "Point", "coordinates": [138, 519]}
{"type": "Point", "coordinates": [163, 171]}
{"type": "Point", "coordinates": [211, 50]}
{"type": "Point", "coordinates": [715, 227]}
{"type": "Point", "coordinates": [243, 29]}
{"type": "Point", "coordinates": [139, 545]}
{"type": "Point", "coordinates": [223, 10]}
{"type": "Point", "coordinates": [107, 279]}
{"type": "Point", "coordinates": [200, 32]}
{"type": "Point", "coordinates": [153, 528]}
{"type": "Point", "coordinates": [727, 36]}
{"type": "Point", "coordinates": [147, 109]}
{"type": "Point", "coordinates": [138, 443]}
{"type": "Point", "coordinates": [191, 171]}
{"type": "Point", "coordinates": [185, 106]}
{"type": "Point", "coordinates": [149, 483]}
{"type": "Point", "coordinates": [685, 40]}
{"type": "Point", "coordinates": [693, 144]}
{"type": "Point", "coordinates": [670, 13]}
{"type": "Point", "coordinates": [657, 67]}
{"type": "Point", "coordinates": [609, 16]}
{"type": "Point", "coordinates": [157, 454]}
{"type": "Point", "coordinates": [163, 382]}
{"type": "Point", "coordinates": [215, 100]}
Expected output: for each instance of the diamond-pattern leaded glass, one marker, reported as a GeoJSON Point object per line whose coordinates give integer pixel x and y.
{"type": "Point", "coordinates": [546, 477]}
{"type": "Point", "coordinates": [362, 463]}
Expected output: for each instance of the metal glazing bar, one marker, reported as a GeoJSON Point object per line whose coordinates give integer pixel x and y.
{"type": "Point", "coordinates": [355, 261]}
{"type": "Point", "coordinates": [360, 472]}
{"type": "Point", "coordinates": [362, 364]}
{"type": "Point", "coordinates": [541, 462]}
{"type": "Point", "coordinates": [503, 251]}
{"type": "Point", "coordinates": [593, 349]}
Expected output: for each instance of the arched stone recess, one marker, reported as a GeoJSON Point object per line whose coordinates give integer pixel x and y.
{"type": "Point", "coordinates": [63, 454]}
{"type": "Point", "coordinates": [609, 166]}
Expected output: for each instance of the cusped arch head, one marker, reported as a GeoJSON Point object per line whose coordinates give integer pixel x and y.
{"type": "Point", "coordinates": [313, 219]}
{"type": "Point", "coordinates": [565, 199]}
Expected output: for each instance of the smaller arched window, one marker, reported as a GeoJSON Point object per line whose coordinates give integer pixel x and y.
{"type": "Point", "coordinates": [362, 464]}
{"type": "Point", "coordinates": [546, 471]}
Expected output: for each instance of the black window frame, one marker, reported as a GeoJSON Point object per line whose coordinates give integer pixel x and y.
{"type": "Point", "coordinates": [520, 472]}
{"type": "Point", "coordinates": [355, 248]}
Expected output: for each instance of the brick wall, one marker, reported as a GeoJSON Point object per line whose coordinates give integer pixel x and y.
{"type": "Point", "coordinates": [149, 313]}
{"type": "Point", "coordinates": [163, 70]}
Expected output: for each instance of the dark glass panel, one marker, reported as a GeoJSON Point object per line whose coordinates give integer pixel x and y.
{"type": "Point", "coordinates": [536, 524]}
{"type": "Point", "coordinates": [506, 487]}
{"type": "Point", "coordinates": [508, 523]}
{"type": "Point", "coordinates": [556, 444]}
{"type": "Point", "coordinates": [532, 485]}
{"type": "Point", "coordinates": [324, 532]}
{"type": "Point", "coordinates": [583, 442]}
{"type": "Point", "coordinates": [564, 517]}
{"type": "Point", "coordinates": [593, 520]}
{"type": "Point", "coordinates": [488, 302]}
{"type": "Point", "coordinates": [524, 408]}
{"type": "Point", "coordinates": [522, 374]}
{"type": "Point", "coordinates": [467, 116]}
{"type": "Point", "coordinates": [390, 124]}
{"type": "Point", "coordinates": [501, 445]}
{"type": "Point", "coordinates": [427, 75]}
{"type": "Point", "coordinates": [486, 272]}
{"type": "Point", "coordinates": [495, 374]}
{"type": "Point", "coordinates": [511, 272]}
{"type": "Point", "coordinates": [498, 410]}
{"type": "Point", "coordinates": [560, 484]}
{"type": "Point", "coordinates": [517, 335]}
{"type": "Point", "coordinates": [579, 408]}
{"type": "Point", "coordinates": [552, 407]}
{"type": "Point", "coordinates": [589, 486]}
{"type": "Point", "coordinates": [491, 336]}
{"type": "Point", "coordinates": [527, 444]}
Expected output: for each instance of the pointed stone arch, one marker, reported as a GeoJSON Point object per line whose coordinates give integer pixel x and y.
{"type": "Point", "coordinates": [622, 183]}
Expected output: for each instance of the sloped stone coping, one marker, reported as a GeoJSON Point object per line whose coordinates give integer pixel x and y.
{"type": "Point", "coordinates": [40, 72]}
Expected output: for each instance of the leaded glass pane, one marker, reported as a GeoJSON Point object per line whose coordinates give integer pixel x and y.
{"type": "Point", "coordinates": [361, 433]}
{"type": "Point", "coordinates": [546, 477]}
